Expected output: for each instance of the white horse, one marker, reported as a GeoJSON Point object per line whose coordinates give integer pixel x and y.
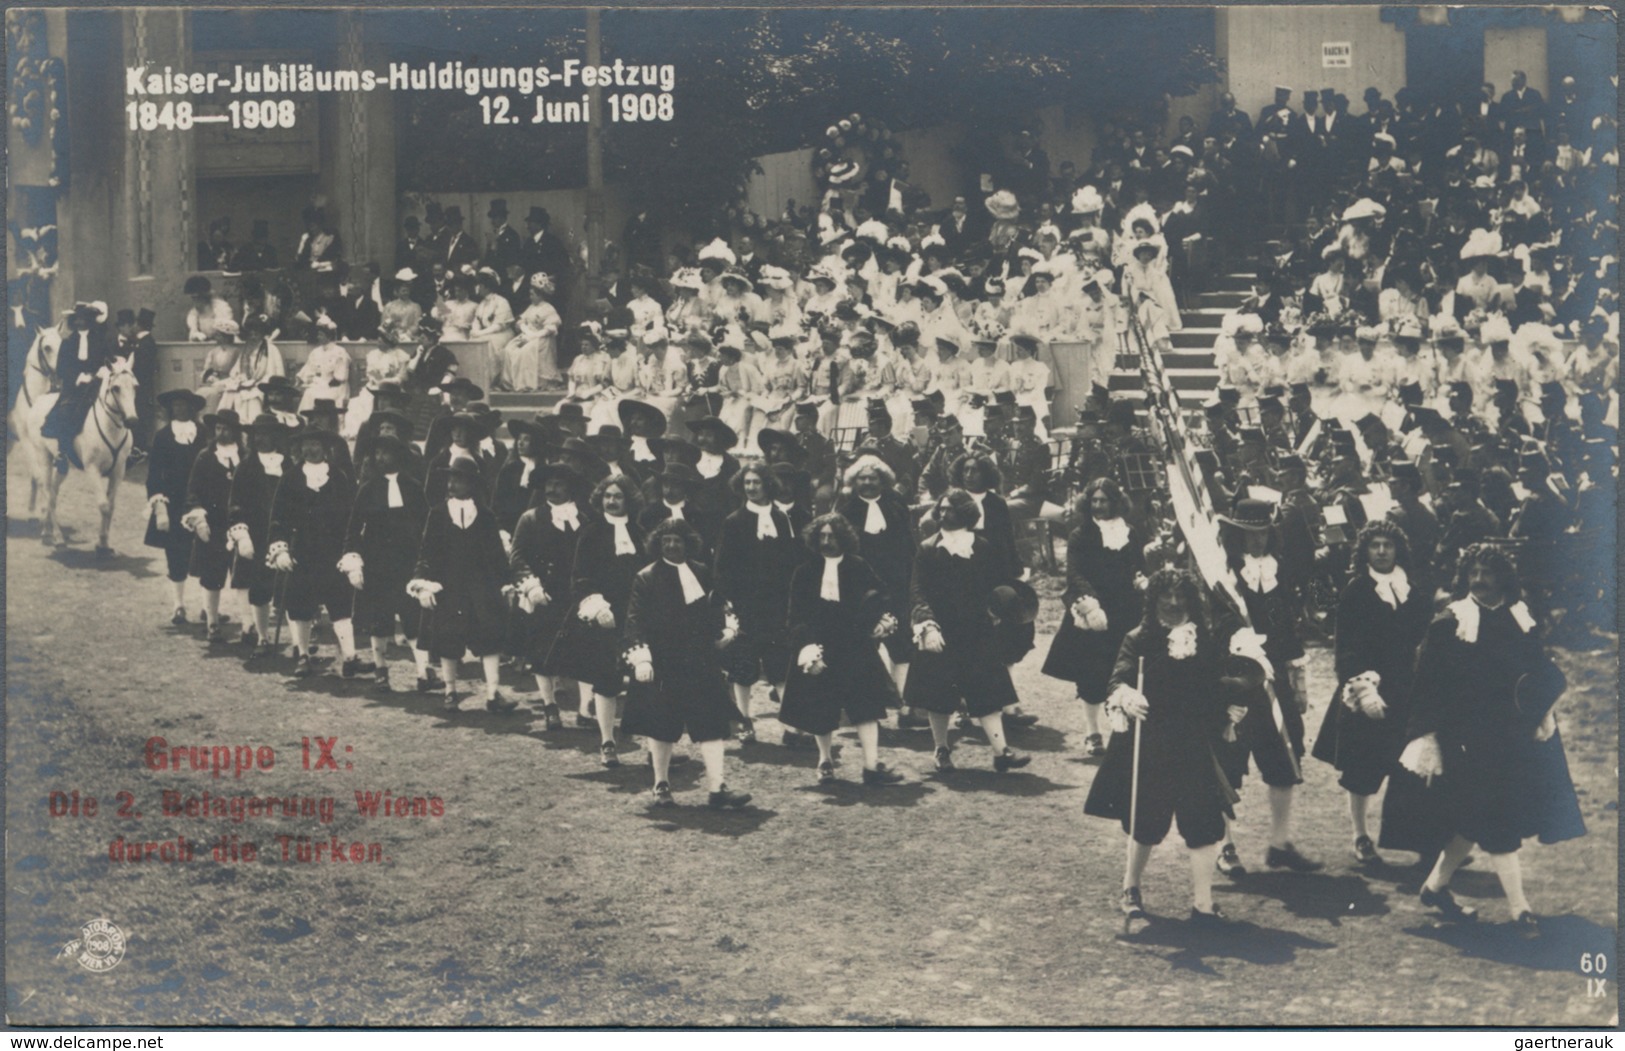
{"type": "Point", "coordinates": [103, 446]}
{"type": "Point", "coordinates": [39, 379]}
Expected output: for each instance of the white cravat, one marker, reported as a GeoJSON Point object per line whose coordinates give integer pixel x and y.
{"type": "Point", "coordinates": [981, 512]}
{"type": "Point", "coordinates": [565, 515]}
{"type": "Point", "coordinates": [692, 591]}
{"type": "Point", "coordinates": [524, 472]}
{"type": "Point", "coordinates": [874, 519]}
{"type": "Point", "coordinates": [315, 475]}
{"type": "Point", "coordinates": [1467, 612]}
{"type": "Point", "coordinates": [829, 588]}
{"type": "Point", "coordinates": [462, 512]}
{"type": "Point", "coordinates": [958, 542]}
{"type": "Point", "coordinates": [84, 346]}
{"type": "Point", "coordinates": [1393, 587]}
{"type": "Point", "coordinates": [641, 452]}
{"type": "Point", "coordinates": [623, 537]}
{"type": "Point", "coordinates": [272, 463]}
{"type": "Point", "coordinates": [185, 431]}
{"type": "Point", "coordinates": [710, 465]}
{"type": "Point", "coordinates": [676, 511]}
{"type": "Point", "coordinates": [394, 498]}
{"type": "Point", "coordinates": [227, 455]}
{"type": "Point", "coordinates": [1259, 572]}
{"type": "Point", "coordinates": [1113, 533]}
{"type": "Point", "coordinates": [765, 529]}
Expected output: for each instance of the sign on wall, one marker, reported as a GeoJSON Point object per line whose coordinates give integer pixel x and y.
{"type": "Point", "coordinates": [1336, 55]}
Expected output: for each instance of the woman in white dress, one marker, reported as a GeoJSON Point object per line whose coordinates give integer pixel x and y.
{"type": "Point", "coordinates": [588, 375]}
{"type": "Point", "coordinates": [325, 374]}
{"type": "Point", "coordinates": [738, 382]}
{"type": "Point", "coordinates": [383, 365]}
{"type": "Point", "coordinates": [258, 362]}
{"type": "Point", "coordinates": [493, 323]}
{"type": "Point", "coordinates": [621, 384]}
{"type": "Point", "coordinates": [456, 311]}
{"type": "Point", "coordinates": [662, 373]}
{"type": "Point", "coordinates": [784, 380]}
{"type": "Point", "coordinates": [687, 312]}
{"type": "Point", "coordinates": [530, 360]}
{"type": "Point", "coordinates": [1030, 379]}
{"type": "Point", "coordinates": [778, 298]}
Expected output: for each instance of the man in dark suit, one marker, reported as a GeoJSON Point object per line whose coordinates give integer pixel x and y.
{"type": "Point", "coordinates": [960, 229]}
{"type": "Point", "coordinates": [506, 247]}
{"type": "Point", "coordinates": [1283, 98]}
{"type": "Point", "coordinates": [1229, 119]}
{"type": "Point", "coordinates": [1523, 107]}
{"type": "Point", "coordinates": [458, 248]}
{"type": "Point", "coordinates": [545, 252]}
{"type": "Point", "coordinates": [134, 343]}
{"type": "Point", "coordinates": [216, 253]}
{"type": "Point", "coordinates": [258, 253]}
{"type": "Point", "coordinates": [409, 250]}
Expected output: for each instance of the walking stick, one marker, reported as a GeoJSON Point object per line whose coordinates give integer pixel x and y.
{"type": "Point", "coordinates": [1134, 771]}
{"type": "Point", "coordinates": [276, 596]}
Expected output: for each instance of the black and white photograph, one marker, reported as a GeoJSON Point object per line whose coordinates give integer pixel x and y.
{"type": "Point", "coordinates": [866, 517]}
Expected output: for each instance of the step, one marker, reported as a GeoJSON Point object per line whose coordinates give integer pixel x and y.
{"type": "Point", "coordinates": [1232, 283]}
{"type": "Point", "coordinates": [1194, 337]}
{"type": "Point", "coordinates": [514, 403]}
{"type": "Point", "coordinates": [1174, 360]}
{"type": "Point", "coordinates": [1182, 380]}
{"type": "Point", "coordinates": [1221, 300]}
{"type": "Point", "coordinates": [1212, 319]}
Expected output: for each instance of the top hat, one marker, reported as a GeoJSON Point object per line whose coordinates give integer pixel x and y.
{"type": "Point", "coordinates": [498, 209]}
{"type": "Point", "coordinates": [452, 214]}
{"type": "Point", "coordinates": [197, 285]}
{"type": "Point", "coordinates": [537, 215]}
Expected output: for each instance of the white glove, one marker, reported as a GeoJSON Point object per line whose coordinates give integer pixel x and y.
{"type": "Point", "coordinates": [1237, 713]}
{"type": "Point", "coordinates": [507, 539]}
{"type": "Point", "coordinates": [643, 671]}
{"type": "Point", "coordinates": [1131, 702]}
{"type": "Point", "coordinates": [1088, 614]}
{"type": "Point", "coordinates": [811, 659]}
{"type": "Point", "coordinates": [1140, 581]}
{"type": "Point", "coordinates": [426, 599]}
{"type": "Point", "coordinates": [239, 540]}
{"type": "Point", "coordinates": [160, 511]}
{"type": "Point", "coordinates": [424, 591]}
{"type": "Point", "coordinates": [885, 626]}
{"type": "Point", "coordinates": [280, 558]}
{"type": "Point", "coordinates": [606, 618]}
{"type": "Point", "coordinates": [353, 569]}
{"type": "Point", "coordinates": [730, 631]}
{"type": "Point", "coordinates": [534, 595]}
{"type": "Point", "coordinates": [931, 639]}
{"type": "Point", "coordinates": [1423, 758]}
{"type": "Point", "coordinates": [1547, 727]}
{"type": "Point", "coordinates": [84, 378]}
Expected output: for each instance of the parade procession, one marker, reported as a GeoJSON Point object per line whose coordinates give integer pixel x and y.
{"type": "Point", "coordinates": [1265, 456]}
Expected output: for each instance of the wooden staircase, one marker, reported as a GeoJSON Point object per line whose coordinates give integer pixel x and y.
{"type": "Point", "coordinates": [1190, 363]}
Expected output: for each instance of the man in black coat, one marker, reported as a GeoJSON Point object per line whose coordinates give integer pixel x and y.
{"type": "Point", "coordinates": [208, 498]}
{"type": "Point", "coordinates": [308, 519]}
{"type": "Point", "coordinates": [380, 549]}
{"type": "Point", "coordinates": [885, 528]}
{"type": "Point", "coordinates": [169, 469]}
{"type": "Point", "coordinates": [899, 456]}
{"type": "Point", "coordinates": [135, 343]}
{"type": "Point", "coordinates": [461, 392]}
{"type": "Point", "coordinates": [506, 248]}
{"type": "Point", "coordinates": [82, 355]}
{"type": "Point", "coordinates": [457, 248]}
{"type": "Point", "coordinates": [1484, 745]}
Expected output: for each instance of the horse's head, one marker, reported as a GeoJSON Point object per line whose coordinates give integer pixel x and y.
{"type": "Point", "coordinates": [119, 393]}
{"type": "Point", "coordinates": [47, 341]}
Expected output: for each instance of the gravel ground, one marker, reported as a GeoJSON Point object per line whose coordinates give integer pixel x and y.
{"type": "Point", "coordinates": [549, 893]}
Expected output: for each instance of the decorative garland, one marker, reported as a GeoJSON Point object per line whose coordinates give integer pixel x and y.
{"type": "Point", "coordinates": [854, 149]}
{"type": "Point", "coordinates": [36, 92]}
